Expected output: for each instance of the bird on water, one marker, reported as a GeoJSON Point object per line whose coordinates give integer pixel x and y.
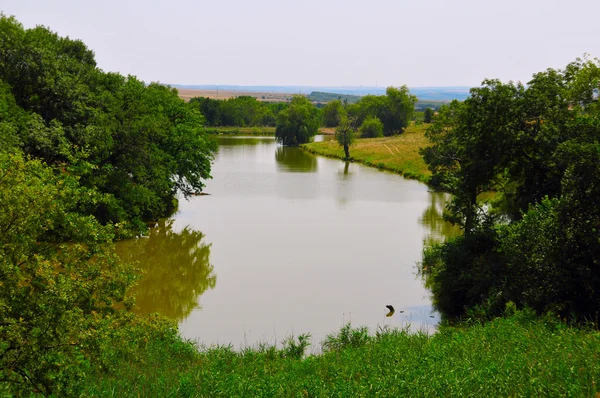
{"type": "Point", "coordinates": [391, 309]}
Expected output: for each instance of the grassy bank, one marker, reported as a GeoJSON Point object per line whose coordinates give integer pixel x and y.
{"type": "Point", "coordinates": [399, 154]}
{"type": "Point", "coordinates": [514, 356]}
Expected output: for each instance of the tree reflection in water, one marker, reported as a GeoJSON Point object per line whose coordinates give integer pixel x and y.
{"type": "Point", "coordinates": [176, 270]}
{"type": "Point", "coordinates": [432, 217]}
{"type": "Point", "coordinates": [295, 160]}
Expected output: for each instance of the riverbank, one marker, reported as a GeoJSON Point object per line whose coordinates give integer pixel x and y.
{"type": "Point", "coordinates": [520, 355]}
{"type": "Point", "coordinates": [268, 130]}
{"type": "Point", "coordinates": [399, 154]}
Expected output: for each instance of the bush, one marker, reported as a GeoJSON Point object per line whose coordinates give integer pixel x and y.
{"type": "Point", "coordinates": [371, 128]}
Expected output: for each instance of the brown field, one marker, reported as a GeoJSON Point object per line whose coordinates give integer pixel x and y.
{"type": "Point", "coordinates": [186, 94]}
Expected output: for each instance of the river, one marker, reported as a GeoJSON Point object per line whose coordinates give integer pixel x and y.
{"type": "Point", "coordinates": [289, 243]}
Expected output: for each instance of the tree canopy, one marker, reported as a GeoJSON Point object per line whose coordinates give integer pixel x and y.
{"type": "Point", "coordinates": [395, 110]}
{"type": "Point", "coordinates": [85, 157]}
{"type": "Point", "coordinates": [345, 134]}
{"type": "Point", "coordinates": [139, 144]}
{"type": "Point", "coordinates": [333, 113]}
{"type": "Point", "coordinates": [537, 244]}
{"type": "Point", "coordinates": [243, 111]}
{"type": "Point", "coordinates": [371, 127]}
{"type": "Point", "coordinates": [298, 123]}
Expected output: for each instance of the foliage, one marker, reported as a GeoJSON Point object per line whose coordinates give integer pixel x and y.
{"type": "Point", "coordinates": [345, 134]}
{"type": "Point", "coordinates": [57, 299]}
{"type": "Point", "coordinates": [395, 109]}
{"type": "Point", "coordinates": [298, 123]}
{"type": "Point", "coordinates": [428, 115]}
{"type": "Point", "coordinates": [139, 143]}
{"type": "Point", "coordinates": [293, 349]}
{"type": "Point", "coordinates": [371, 127]}
{"type": "Point", "coordinates": [514, 356]}
{"type": "Point", "coordinates": [346, 337]}
{"type": "Point", "coordinates": [318, 96]}
{"type": "Point", "coordinates": [470, 142]}
{"type": "Point", "coordinates": [537, 245]}
{"type": "Point", "coordinates": [333, 113]}
{"type": "Point", "coordinates": [421, 104]}
{"type": "Point", "coordinates": [242, 111]}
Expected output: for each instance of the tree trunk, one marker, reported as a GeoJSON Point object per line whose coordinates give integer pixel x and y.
{"type": "Point", "coordinates": [347, 151]}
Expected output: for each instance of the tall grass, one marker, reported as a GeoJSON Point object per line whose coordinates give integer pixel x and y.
{"type": "Point", "coordinates": [399, 154]}
{"type": "Point", "coordinates": [515, 356]}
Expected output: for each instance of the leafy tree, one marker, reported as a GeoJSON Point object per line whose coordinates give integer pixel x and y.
{"type": "Point", "coordinates": [139, 143]}
{"type": "Point", "coordinates": [333, 113]}
{"type": "Point", "coordinates": [471, 140]}
{"type": "Point", "coordinates": [539, 147]}
{"type": "Point", "coordinates": [395, 109]}
{"type": "Point", "coordinates": [58, 300]}
{"type": "Point", "coordinates": [428, 115]}
{"type": "Point", "coordinates": [345, 134]}
{"type": "Point", "coordinates": [209, 108]}
{"type": "Point", "coordinates": [400, 106]}
{"type": "Point", "coordinates": [371, 128]}
{"type": "Point", "coordinates": [298, 123]}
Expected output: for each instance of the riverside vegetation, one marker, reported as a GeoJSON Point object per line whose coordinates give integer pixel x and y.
{"type": "Point", "coordinates": [87, 157]}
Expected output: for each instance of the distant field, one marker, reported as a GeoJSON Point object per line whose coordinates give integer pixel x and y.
{"type": "Point", "coordinates": [187, 94]}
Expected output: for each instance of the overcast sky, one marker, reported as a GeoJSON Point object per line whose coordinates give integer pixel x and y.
{"type": "Point", "coordinates": [324, 42]}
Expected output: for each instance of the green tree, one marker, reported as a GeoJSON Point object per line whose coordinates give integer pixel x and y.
{"type": "Point", "coordinates": [428, 115]}
{"type": "Point", "coordinates": [371, 128]}
{"type": "Point", "coordinates": [399, 109]}
{"type": "Point", "coordinates": [139, 143]}
{"type": "Point", "coordinates": [472, 141]}
{"type": "Point", "coordinates": [539, 147]}
{"type": "Point", "coordinates": [298, 123]}
{"type": "Point", "coordinates": [58, 300]}
{"type": "Point", "coordinates": [333, 113]}
{"type": "Point", "coordinates": [345, 134]}
{"type": "Point", "coordinates": [395, 109]}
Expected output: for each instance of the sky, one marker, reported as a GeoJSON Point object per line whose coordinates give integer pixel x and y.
{"type": "Point", "coordinates": [323, 42]}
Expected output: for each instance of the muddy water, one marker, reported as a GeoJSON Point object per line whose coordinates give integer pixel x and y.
{"type": "Point", "coordinates": [288, 243]}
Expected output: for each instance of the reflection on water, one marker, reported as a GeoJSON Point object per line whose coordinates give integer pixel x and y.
{"type": "Point", "coordinates": [300, 243]}
{"type": "Point", "coordinates": [176, 270]}
{"type": "Point", "coordinates": [295, 160]}
{"type": "Point", "coordinates": [433, 218]}
{"type": "Point", "coordinates": [244, 140]}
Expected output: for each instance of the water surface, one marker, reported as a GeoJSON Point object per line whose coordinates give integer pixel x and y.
{"type": "Point", "coordinates": [288, 243]}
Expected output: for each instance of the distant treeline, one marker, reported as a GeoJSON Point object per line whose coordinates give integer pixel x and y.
{"type": "Point", "coordinates": [421, 105]}
{"type": "Point", "coordinates": [243, 111]}
{"type": "Point", "coordinates": [319, 96]}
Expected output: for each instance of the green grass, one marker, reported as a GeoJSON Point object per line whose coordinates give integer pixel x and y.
{"type": "Point", "coordinates": [514, 356]}
{"type": "Point", "coordinates": [399, 154]}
